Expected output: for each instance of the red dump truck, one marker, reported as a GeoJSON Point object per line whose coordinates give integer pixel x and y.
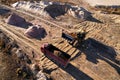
{"type": "Point", "coordinates": [55, 54]}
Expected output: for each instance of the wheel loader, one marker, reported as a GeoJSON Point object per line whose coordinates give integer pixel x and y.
{"type": "Point", "coordinates": [74, 36]}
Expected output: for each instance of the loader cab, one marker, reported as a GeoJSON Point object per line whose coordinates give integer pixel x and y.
{"type": "Point", "coordinates": [81, 35]}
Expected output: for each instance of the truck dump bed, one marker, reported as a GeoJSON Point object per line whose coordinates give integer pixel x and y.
{"type": "Point", "coordinates": [56, 54]}
{"type": "Point", "coordinates": [68, 37]}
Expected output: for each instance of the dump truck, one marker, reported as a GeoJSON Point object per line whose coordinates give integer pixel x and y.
{"type": "Point", "coordinates": [74, 36]}
{"type": "Point", "coordinates": [55, 54]}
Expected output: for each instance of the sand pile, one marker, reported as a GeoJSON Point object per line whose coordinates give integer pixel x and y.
{"type": "Point", "coordinates": [16, 20]}
{"type": "Point", "coordinates": [56, 10]}
{"type": "Point", "coordinates": [78, 12]}
{"type": "Point", "coordinates": [35, 32]}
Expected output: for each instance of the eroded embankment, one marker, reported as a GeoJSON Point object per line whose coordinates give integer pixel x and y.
{"type": "Point", "coordinates": [15, 64]}
{"type": "Point", "coordinates": [8, 61]}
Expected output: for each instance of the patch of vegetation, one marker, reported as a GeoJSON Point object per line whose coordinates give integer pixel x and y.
{"type": "Point", "coordinates": [9, 60]}
{"type": "Point", "coordinates": [9, 67]}
{"type": "Point", "coordinates": [8, 2]}
{"type": "Point", "coordinates": [109, 9]}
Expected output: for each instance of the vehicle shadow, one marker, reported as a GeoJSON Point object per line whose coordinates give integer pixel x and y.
{"type": "Point", "coordinates": [74, 72]}
{"type": "Point", "coordinates": [95, 50]}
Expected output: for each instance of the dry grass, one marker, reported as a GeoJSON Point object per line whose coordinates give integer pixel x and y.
{"type": "Point", "coordinates": [7, 60]}
{"type": "Point", "coordinates": [9, 67]}
{"type": "Point", "coordinates": [109, 9]}
{"type": "Point", "coordinates": [8, 2]}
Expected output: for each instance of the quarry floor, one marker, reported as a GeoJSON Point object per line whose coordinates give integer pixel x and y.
{"type": "Point", "coordinates": [99, 60]}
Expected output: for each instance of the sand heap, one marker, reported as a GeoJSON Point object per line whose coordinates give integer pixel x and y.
{"type": "Point", "coordinates": [52, 9]}
{"type": "Point", "coordinates": [44, 8]}
{"type": "Point", "coordinates": [35, 31]}
{"type": "Point", "coordinates": [32, 7]}
{"type": "Point", "coordinates": [78, 12]}
{"type": "Point", "coordinates": [16, 20]}
{"type": "Point", "coordinates": [56, 10]}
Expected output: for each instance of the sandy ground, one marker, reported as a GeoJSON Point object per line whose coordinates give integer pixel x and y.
{"type": "Point", "coordinates": [100, 60]}
{"type": "Point", "coordinates": [8, 67]}
{"type": "Point", "coordinates": [103, 2]}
